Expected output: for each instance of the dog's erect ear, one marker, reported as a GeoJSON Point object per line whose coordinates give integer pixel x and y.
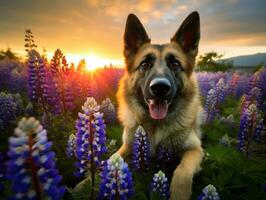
{"type": "Point", "coordinates": [188, 34]}
{"type": "Point", "coordinates": [135, 36]}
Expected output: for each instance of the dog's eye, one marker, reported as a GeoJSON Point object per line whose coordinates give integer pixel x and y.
{"type": "Point", "coordinates": [144, 65]}
{"type": "Point", "coordinates": [175, 64]}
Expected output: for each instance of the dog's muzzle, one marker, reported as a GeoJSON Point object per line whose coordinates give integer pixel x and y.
{"type": "Point", "coordinates": [160, 87]}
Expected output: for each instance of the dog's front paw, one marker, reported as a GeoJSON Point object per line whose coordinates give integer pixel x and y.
{"type": "Point", "coordinates": [181, 184]}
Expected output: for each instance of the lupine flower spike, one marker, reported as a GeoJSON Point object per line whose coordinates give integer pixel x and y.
{"type": "Point", "coordinates": [214, 98]}
{"type": "Point", "coordinates": [251, 125]}
{"type": "Point", "coordinates": [141, 150]}
{"type": "Point", "coordinates": [209, 193]}
{"type": "Point", "coordinates": [2, 171]}
{"type": "Point", "coordinates": [90, 137]}
{"type": "Point", "coordinates": [109, 111]}
{"type": "Point", "coordinates": [160, 185]}
{"type": "Point", "coordinates": [116, 179]}
{"type": "Point", "coordinates": [71, 146]}
{"type": "Point", "coordinates": [31, 166]}
{"type": "Point", "coordinates": [90, 140]}
{"type": "Point", "coordinates": [164, 156]}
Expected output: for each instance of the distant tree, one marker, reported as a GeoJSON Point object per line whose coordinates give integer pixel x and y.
{"type": "Point", "coordinates": [8, 54]}
{"type": "Point", "coordinates": [29, 41]}
{"type": "Point", "coordinates": [81, 68]}
{"type": "Point", "coordinates": [212, 62]}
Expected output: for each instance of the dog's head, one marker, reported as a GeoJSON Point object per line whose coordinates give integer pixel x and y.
{"type": "Point", "coordinates": [158, 73]}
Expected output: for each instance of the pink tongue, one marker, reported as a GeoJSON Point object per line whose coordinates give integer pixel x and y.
{"type": "Point", "coordinates": [158, 109]}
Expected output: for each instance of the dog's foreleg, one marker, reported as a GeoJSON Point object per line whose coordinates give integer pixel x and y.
{"type": "Point", "coordinates": [124, 150]}
{"type": "Point", "coordinates": [181, 184]}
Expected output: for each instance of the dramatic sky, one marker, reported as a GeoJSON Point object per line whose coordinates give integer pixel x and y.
{"type": "Point", "coordinates": [85, 28]}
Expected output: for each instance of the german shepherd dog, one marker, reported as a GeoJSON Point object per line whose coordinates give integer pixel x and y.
{"type": "Point", "coordinates": [159, 91]}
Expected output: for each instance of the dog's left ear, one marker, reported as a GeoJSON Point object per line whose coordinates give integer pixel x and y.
{"type": "Point", "coordinates": [188, 35]}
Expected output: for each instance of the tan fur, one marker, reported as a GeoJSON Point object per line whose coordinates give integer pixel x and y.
{"type": "Point", "coordinates": [180, 128]}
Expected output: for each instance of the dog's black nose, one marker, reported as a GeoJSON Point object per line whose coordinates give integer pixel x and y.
{"type": "Point", "coordinates": [160, 87]}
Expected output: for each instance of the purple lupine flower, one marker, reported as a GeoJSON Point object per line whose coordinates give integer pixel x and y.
{"type": "Point", "coordinates": [31, 166]}
{"type": "Point", "coordinates": [160, 185]}
{"type": "Point", "coordinates": [232, 85]}
{"type": "Point", "coordinates": [2, 171]}
{"type": "Point", "coordinates": [8, 110]}
{"type": "Point", "coordinates": [71, 146]}
{"type": "Point", "coordinates": [262, 86]}
{"type": "Point", "coordinates": [90, 137]}
{"type": "Point", "coordinates": [36, 77]}
{"type": "Point", "coordinates": [210, 105]}
{"type": "Point", "coordinates": [141, 150]}
{"type": "Point", "coordinates": [250, 126]}
{"type": "Point", "coordinates": [254, 81]}
{"type": "Point", "coordinates": [164, 155]}
{"type": "Point", "coordinates": [220, 91]}
{"type": "Point", "coordinates": [258, 130]}
{"type": "Point", "coordinates": [116, 179]}
{"type": "Point", "coordinates": [214, 99]}
{"type": "Point", "coordinates": [109, 111]}
{"type": "Point", "coordinates": [209, 193]}
{"type": "Point", "coordinates": [254, 96]}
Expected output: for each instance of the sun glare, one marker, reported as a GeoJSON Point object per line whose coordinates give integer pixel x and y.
{"type": "Point", "coordinates": [92, 61]}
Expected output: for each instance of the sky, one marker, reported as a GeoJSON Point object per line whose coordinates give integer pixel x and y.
{"type": "Point", "coordinates": [94, 29]}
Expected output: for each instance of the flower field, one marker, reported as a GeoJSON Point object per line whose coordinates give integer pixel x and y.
{"type": "Point", "coordinates": [59, 133]}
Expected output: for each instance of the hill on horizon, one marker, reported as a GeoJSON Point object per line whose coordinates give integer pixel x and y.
{"type": "Point", "coordinates": [248, 60]}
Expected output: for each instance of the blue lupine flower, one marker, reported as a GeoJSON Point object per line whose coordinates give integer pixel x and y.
{"type": "Point", "coordinates": [8, 109]}
{"type": "Point", "coordinates": [37, 77]}
{"type": "Point", "coordinates": [71, 146]}
{"type": "Point", "coordinates": [109, 111]}
{"type": "Point", "coordinates": [250, 126]}
{"type": "Point", "coordinates": [2, 171]}
{"type": "Point", "coordinates": [210, 106]}
{"type": "Point", "coordinates": [214, 99]}
{"type": "Point", "coordinates": [31, 166]}
{"type": "Point", "coordinates": [220, 91]}
{"type": "Point", "coordinates": [141, 150]}
{"type": "Point", "coordinates": [258, 130]}
{"type": "Point", "coordinates": [90, 137]}
{"type": "Point", "coordinates": [262, 86]}
{"type": "Point", "coordinates": [164, 155]}
{"type": "Point", "coordinates": [209, 193]}
{"type": "Point", "coordinates": [160, 184]}
{"type": "Point", "coordinates": [116, 179]}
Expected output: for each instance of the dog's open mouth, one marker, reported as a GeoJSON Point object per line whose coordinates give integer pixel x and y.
{"type": "Point", "coordinates": [157, 108]}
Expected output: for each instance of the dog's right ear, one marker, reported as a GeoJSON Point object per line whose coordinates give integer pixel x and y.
{"type": "Point", "coordinates": [135, 36]}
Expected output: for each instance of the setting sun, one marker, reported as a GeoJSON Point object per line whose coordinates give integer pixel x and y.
{"type": "Point", "coordinates": [92, 61]}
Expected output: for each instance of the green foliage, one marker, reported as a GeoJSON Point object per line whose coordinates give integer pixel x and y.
{"type": "Point", "coordinates": [231, 173]}
{"type": "Point", "coordinates": [213, 132]}
{"type": "Point", "coordinates": [257, 67]}
{"type": "Point", "coordinates": [231, 107]}
{"type": "Point", "coordinates": [58, 133]}
{"type": "Point", "coordinates": [212, 62]}
{"type": "Point", "coordinates": [80, 192]}
{"type": "Point", "coordinates": [8, 54]}
{"type": "Point", "coordinates": [114, 131]}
